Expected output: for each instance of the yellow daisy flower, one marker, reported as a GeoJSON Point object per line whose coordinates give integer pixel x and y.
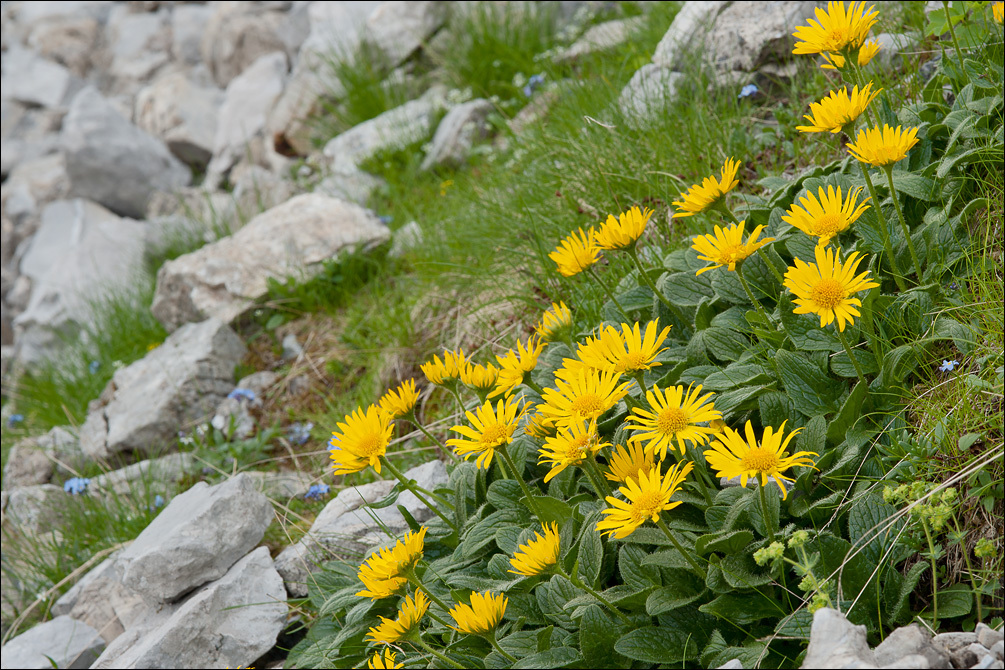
{"type": "Point", "coordinates": [480, 377]}
{"type": "Point", "coordinates": [516, 365]}
{"type": "Point", "coordinates": [834, 112]}
{"type": "Point", "coordinates": [628, 461]}
{"type": "Point", "coordinates": [538, 554]}
{"type": "Point", "coordinates": [582, 396]}
{"type": "Point", "coordinates": [866, 53]}
{"type": "Point", "coordinates": [732, 456]}
{"type": "Point", "coordinates": [447, 371]}
{"type": "Point", "coordinates": [482, 615]}
{"type": "Point", "coordinates": [998, 11]}
{"type": "Point", "coordinates": [492, 429]}
{"type": "Point", "coordinates": [627, 351]}
{"type": "Point", "coordinates": [726, 246]}
{"type": "Point", "coordinates": [836, 29]}
{"type": "Point", "coordinates": [394, 630]}
{"type": "Point", "coordinates": [675, 415]}
{"type": "Point", "coordinates": [704, 196]}
{"type": "Point", "coordinates": [571, 446]}
{"type": "Point", "coordinates": [827, 286]}
{"type": "Point", "coordinates": [539, 426]}
{"type": "Point", "coordinates": [644, 499]}
{"type": "Point", "coordinates": [401, 401]}
{"type": "Point", "coordinates": [383, 573]}
{"type": "Point", "coordinates": [554, 321]}
{"type": "Point", "coordinates": [576, 252]}
{"type": "Point", "coordinates": [624, 231]}
{"type": "Point", "coordinates": [828, 215]}
{"type": "Point", "coordinates": [385, 663]}
{"type": "Point", "coordinates": [363, 440]}
{"type": "Point", "coordinates": [881, 148]}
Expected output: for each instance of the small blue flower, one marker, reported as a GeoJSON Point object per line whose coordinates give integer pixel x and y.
{"type": "Point", "coordinates": [532, 84]}
{"type": "Point", "coordinates": [316, 491]}
{"type": "Point", "coordinates": [948, 366]}
{"type": "Point", "coordinates": [299, 433]}
{"type": "Point", "coordinates": [158, 501]}
{"type": "Point", "coordinates": [242, 394]}
{"type": "Point", "coordinates": [386, 219]}
{"type": "Point", "coordinates": [76, 486]}
{"type": "Point", "coordinates": [748, 90]}
{"type": "Point", "coordinates": [14, 419]}
{"type": "Point", "coordinates": [93, 366]}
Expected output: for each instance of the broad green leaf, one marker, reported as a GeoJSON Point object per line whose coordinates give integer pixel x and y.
{"type": "Point", "coordinates": [723, 543]}
{"type": "Point", "coordinates": [814, 436]}
{"type": "Point", "coordinates": [660, 645]}
{"type": "Point", "coordinates": [804, 329]}
{"type": "Point", "coordinates": [737, 374]}
{"type": "Point", "coordinates": [744, 609]}
{"type": "Point", "coordinates": [955, 601]}
{"type": "Point", "coordinates": [724, 343]}
{"type": "Point", "coordinates": [504, 494]}
{"type": "Point", "coordinates": [633, 572]}
{"type": "Point", "coordinates": [552, 509]}
{"type": "Point", "coordinates": [683, 589]}
{"type": "Point", "coordinates": [811, 392]}
{"type": "Point", "coordinates": [850, 413]}
{"type": "Point", "coordinates": [899, 363]}
{"type": "Point", "coordinates": [737, 400]}
{"type": "Point", "coordinates": [797, 625]}
{"type": "Point", "coordinates": [556, 657]}
{"type": "Point", "coordinates": [598, 633]}
{"type": "Point", "coordinates": [842, 366]}
{"type": "Point", "coordinates": [684, 288]}
{"type": "Point", "coordinates": [591, 553]}
{"type": "Point", "coordinates": [521, 643]}
{"type": "Point", "coordinates": [637, 298]}
{"type": "Point", "coordinates": [697, 374]}
{"type": "Point", "coordinates": [899, 589]}
{"type": "Point", "coordinates": [914, 185]}
{"type": "Point", "coordinates": [552, 597]}
{"type": "Point", "coordinates": [867, 525]}
{"type": "Point", "coordinates": [775, 407]}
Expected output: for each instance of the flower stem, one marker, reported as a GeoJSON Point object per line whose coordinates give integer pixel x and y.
{"type": "Point", "coordinates": [518, 476]}
{"type": "Point", "coordinates": [531, 384]}
{"type": "Point", "coordinates": [883, 228]}
{"type": "Point", "coordinates": [673, 540]}
{"type": "Point", "coordinates": [415, 422]}
{"type": "Point", "coordinates": [407, 483]}
{"type": "Point", "coordinates": [903, 223]}
{"type": "Point", "coordinates": [851, 355]}
{"type": "Point", "coordinates": [770, 527]}
{"type": "Point", "coordinates": [633, 252]}
{"type": "Point", "coordinates": [771, 266]}
{"type": "Point", "coordinates": [935, 577]}
{"type": "Point", "coordinates": [702, 467]}
{"type": "Point", "coordinates": [491, 637]}
{"type": "Point", "coordinates": [410, 576]}
{"type": "Point", "coordinates": [607, 291]}
{"type": "Point", "coordinates": [578, 583]}
{"type": "Point", "coordinates": [750, 295]}
{"type": "Point", "coordinates": [438, 655]}
{"type": "Point", "coordinates": [596, 477]}
{"type": "Point", "coordinates": [956, 43]}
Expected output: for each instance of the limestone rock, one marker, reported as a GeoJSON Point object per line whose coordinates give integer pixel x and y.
{"type": "Point", "coordinates": [533, 112]}
{"type": "Point", "coordinates": [187, 25]}
{"type": "Point", "coordinates": [457, 133]}
{"type": "Point", "coordinates": [223, 279]}
{"type": "Point", "coordinates": [69, 643]}
{"type": "Point", "coordinates": [110, 607]}
{"type": "Point", "coordinates": [348, 182]}
{"type": "Point", "coordinates": [139, 46]}
{"type": "Point", "coordinates": [406, 238]}
{"type": "Point", "coordinates": [988, 636]}
{"type": "Point", "coordinates": [27, 133]}
{"type": "Point", "coordinates": [67, 40]}
{"type": "Point", "coordinates": [397, 28]}
{"type": "Point", "coordinates": [27, 465]}
{"type": "Point", "coordinates": [747, 35]}
{"type": "Point", "coordinates": [230, 622]}
{"type": "Point", "coordinates": [257, 189]}
{"type": "Point", "coordinates": [601, 37]}
{"type": "Point", "coordinates": [196, 539]}
{"type": "Point", "coordinates": [179, 382]}
{"type": "Point", "coordinates": [80, 250]}
{"type": "Point", "coordinates": [104, 570]}
{"type": "Point", "coordinates": [237, 35]}
{"type": "Point", "coordinates": [892, 45]}
{"type": "Point", "coordinates": [837, 643]}
{"type": "Point", "coordinates": [648, 93]}
{"type": "Point", "coordinates": [33, 80]}
{"type": "Point", "coordinates": [31, 186]}
{"type": "Point", "coordinates": [951, 642]}
{"type": "Point", "coordinates": [691, 23]}
{"type": "Point", "coordinates": [182, 114]}
{"type": "Point", "coordinates": [136, 478]}
{"type": "Point", "coordinates": [247, 102]}
{"type": "Point", "coordinates": [33, 509]}
{"type": "Point", "coordinates": [343, 528]}
{"type": "Point", "coordinates": [907, 641]}
{"type": "Point", "coordinates": [112, 161]}
{"type": "Point", "coordinates": [282, 486]}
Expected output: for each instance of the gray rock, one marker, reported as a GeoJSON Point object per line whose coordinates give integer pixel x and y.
{"type": "Point", "coordinates": [913, 661]}
{"type": "Point", "coordinates": [969, 655]}
{"type": "Point", "coordinates": [734, 664]}
{"type": "Point", "coordinates": [178, 383]}
{"type": "Point", "coordinates": [182, 114]}
{"type": "Point", "coordinates": [457, 133]}
{"type": "Point", "coordinates": [141, 478]}
{"type": "Point", "coordinates": [195, 539]}
{"type": "Point", "coordinates": [893, 44]}
{"type": "Point", "coordinates": [257, 189]}
{"type": "Point", "coordinates": [291, 347]}
{"type": "Point", "coordinates": [33, 80]}
{"type": "Point", "coordinates": [344, 528]}
{"type": "Point", "coordinates": [954, 641]}
{"type": "Point", "coordinates": [139, 46]}
{"type": "Point", "coordinates": [601, 37]}
{"type": "Point", "coordinates": [988, 661]}
{"type": "Point", "coordinates": [837, 643]}
{"type": "Point", "coordinates": [229, 623]}
{"type": "Point", "coordinates": [690, 25]}
{"type": "Point", "coordinates": [27, 133]}
{"type": "Point", "coordinates": [69, 643]}
{"type": "Point", "coordinates": [27, 465]}
{"type": "Point", "coordinates": [104, 570]}
{"type": "Point", "coordinates": [110, 607]}
{"type": "Point", "coordinates": [34, 509]}
{"type": "Point", "coordinates": [224, 279]}
{"type": "Point", "coordinates": [988, 636]}
{"type": "Point", "coordinates": [397, 29]}
{"type": "Point", "coordinates": [349, 183]}
{"type": "Point", "coordinates": [651, 89]}
{"type": "Point", "coordinates": [32, 185]}
{"type": "Point", "coordinates": [747, 35]}
{"type": "Point", "coordinates": [247, 102]}
{"type": "Point", "coordinates": [406, 238]}
{"type": "Point", "coordinates": [187, 25]}
{"type": "Point", "coordinates": [237, 35]}
{"type": "Point", "coordinates": [533, 112]}
{"type": "Point", "coordinates": [67, 40]}
{"type": "Point", "coordinates": [282, 486]}
{"type": "Point", "coordinates": [258, 382]}
{"type": "Point", "coordinates": [112, 161]}
{"type": "Point", "coordinates": [998, 650]}
{"type": "Point", "coordinates": [907, 641]}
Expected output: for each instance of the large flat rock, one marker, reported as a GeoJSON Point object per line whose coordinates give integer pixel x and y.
{"type": "Point", "coordinates": [196, 539]}
{"type": "Point", "coordinates": [181, 381]}
{"type": "Point", "coordinates": [68, 642]}
{"type": "Point", "coordinates": [225, 278]}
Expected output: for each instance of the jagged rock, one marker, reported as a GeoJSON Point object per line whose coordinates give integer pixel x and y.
{"type": "Point", "coordinates": [110, 607]}
{"type": "Point", "coordinates": [969, 656]}
{"type": "Point", "coordinates": [533, 112]}
{"type": "Point", "coordinates": [27, 465]}
{"type": "Point", "coordinates": [195, 539]}
{"type": "Point", "coordinates": [139, 46]}
{"type": "Point", "coordinates": [104, 570]}
{"type": "Point", "coordinates": [247, 102]}
{"type": "Point", "coordinates": [692, 22]}
{"type": "Point", "coordinates": [457, 133]}
{"type": "Point", "coordinates": [33, 80]}
{"type": "Point", "coordinates": [257, 189]}
{"type": "Point", "coordinates": [258, 382]}
{"type": "Point", "coordinates": [349, 183]}
{"type": "Point", "coordinates": [998, 650]}
{"type": "Point", "coordinates": [69, 643]}
{"type": "Point", "coordinates": [282, 485]}
{"type": "Point", "coordinates": [837, 643]}
{"type": "Point", "coordinates": [397, 29]}
{"type": "Point", "coordinates": [31, 186]}
{"type": "Point", "coordinates": [230, 622]}
{"type": "Point", "coordinates": [237, 35]}
{"type": "Point", "coordinates": [988, 662]}
{"type": "Point", "coordinates": [908, 641]}
{"type": "Point", "coordinates": [988, 636]}
{"type": "Point", "coordinates": [67, 40]}
{"type": "Point", "coordinates": [343, 528]}
{"type": "Point", "coordinates": [179, 382]}
{"type": "Point", "coordinates": [601, 37]}
{"type": "Point", "coordinates": [892, 45]}
{"type": "Point", "coordinates": [394, 129]}
{"type": "Point", "coordinates": [33, 509]}
{"type": "Point", "coordinates": [113, 162]}
{"type": "Point", "coordinates": [406, 238]}
{"type": "Point", "coordinates": [182, 114]}
{"type": "Point", "coordinates": [951, 642]}
{"type": "Point", "coordinates": [27, 133]}
{"type": "Point", "coordinates": [224, 279]}
{"type": "Point", "coordinates": [136, 478]}
{"type": "Point", "coordinates": [648, 93]}
{"type": "Point", "coordinates": [187, 25]}
{"type": "Point", "coordinates": [911, 662]}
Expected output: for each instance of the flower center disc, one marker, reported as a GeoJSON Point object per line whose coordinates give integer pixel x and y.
{"type": "Point", "coordinates": [646, 505]}
{"type": "Point", "coordinates": [672, 420]}
{"type": "Point", "coordinates": [760, 459]}
{"type": "Point", "coordinates": [587, 404]}
{"type": "Point", "coordinates": [632, 362]}
{"type": "Point", "coordinates": [828, 293]}
{"type": "Point", "coordinates": [736, 252]}
{"type": "Point", "coordinates": [577, 448]}
{"type": "Point", "coordinates": [494, 434]}
{"type": "Point", "coordinates": [828, 224]}
{"type": "Point", "coordinates": [369, 444]}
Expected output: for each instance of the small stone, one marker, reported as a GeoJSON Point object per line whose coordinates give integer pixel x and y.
{"type": "Point", "coordinates": [601, 37]}
{"type": "Point", "coordinates": [457, 133]}
{"type": "Point", "coordinates": [908, 641]}
{"type": "Point", "coordinates": [837, 643]}
{"type": "Point", "coordinates": [68, 642]}
{"type": "Point", "coordinates": [913, 661]}
{"type": "Point", "coordinates": [968, 656]}
{"type": "Point", "coordinates": [33, 80]}
{"type": "Point", "coordinates": [397, 29]}
{"type": "Point", "coordinates": [998, 650]}
{"type": "Point", "coordinates": [988, 661]}
{"type": "Point", "coordinates": [27, 465]}
{"type": "Point", "coordinates": [291, 348]}
{"type": "Point", "coordinates": [34, 509]}
{"type": "Point", "coordinates": [406, 238]}
{"type": "Point", "coordinates": [182, 114]}
{"type": "Point", "coordinates": [129, 480]}
{"type": "Point", "coordinates": [954, 641]}
{"type": "Point", "coordinates": [988, 636]}
{"type": "Point", "coordinates": [649, 92]}
{"type": "Point", "coordinates": [104, 570]}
